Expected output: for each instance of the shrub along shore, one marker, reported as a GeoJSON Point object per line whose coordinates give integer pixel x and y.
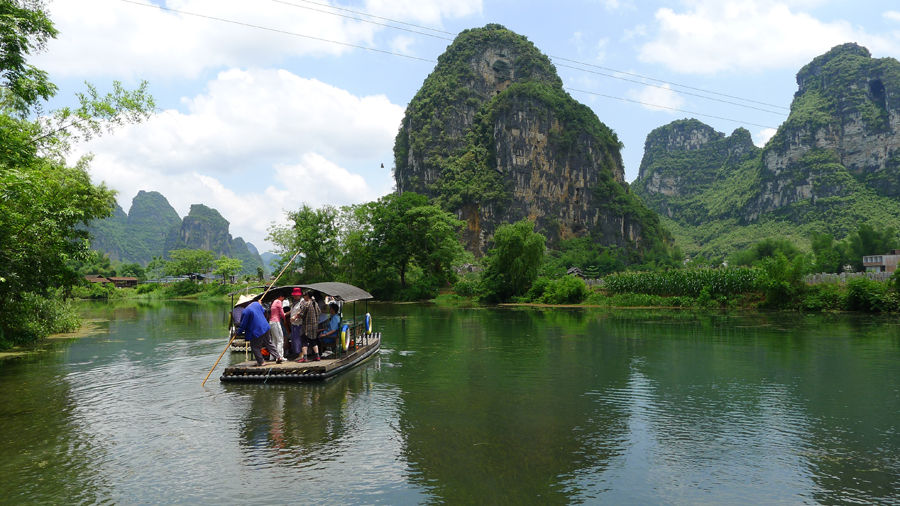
{"type": "Point", "coordinates": [723, 288]}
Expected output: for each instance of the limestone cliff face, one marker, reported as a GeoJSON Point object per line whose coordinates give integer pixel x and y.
{"type": "Point", "coordinates": [139, 235]}
{"type": "Point", "coordinates": [686, 158]}
{"type": "Point", "coordinates": [847, 103]}
{"type": "Point", "coordinates": [833, 164]}
{"type": "Point", "coordinates": [205, 228]}
{"type": "Point", "coordinates": [152, 228]}
{"type": "Point", "coordinates": [493, 137]}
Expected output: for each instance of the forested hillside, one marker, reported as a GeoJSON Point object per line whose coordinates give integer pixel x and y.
{"type": "Point", "coordinates": [833, 165]}
{"type": "Point", "coordinates": [153, 228]}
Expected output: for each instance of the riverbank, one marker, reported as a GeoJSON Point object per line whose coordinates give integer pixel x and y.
{"type": "Point", "coordinates": [87, 328]}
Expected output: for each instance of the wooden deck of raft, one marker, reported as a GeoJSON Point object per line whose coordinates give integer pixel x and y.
{"type": "Point", "coordinates": [310, 371]}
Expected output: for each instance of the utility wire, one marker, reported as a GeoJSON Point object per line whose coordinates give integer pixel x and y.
{"type": "Point", "coordinates": [669, 108]}
{"type": "Point", "coordinates": [363, 20]}
{"type": "Point", "coordinates": [423, 59]}
{"type": "Point", "coordinates": [668, 82]}
{"type": "Point", "coordinates": [370, 15]}
{"type": "Point", "coordinates": [701, 90]}
{"type": "Point", "coordinates": [670, 89]}
{"type": "Point", "coordinates": [276, 30]}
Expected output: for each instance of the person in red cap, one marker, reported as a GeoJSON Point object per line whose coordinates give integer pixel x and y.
{"type": "Point", "coordinates": [296, 324]}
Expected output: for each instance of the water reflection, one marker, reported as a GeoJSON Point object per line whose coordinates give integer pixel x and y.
{"type": "Point", "coordinates": [489, 406]}
{"type": "Point", "coordinates": [44, 459]}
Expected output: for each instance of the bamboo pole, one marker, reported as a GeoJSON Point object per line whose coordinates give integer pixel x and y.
{"type": "Point", "coordinates": [260, 298]}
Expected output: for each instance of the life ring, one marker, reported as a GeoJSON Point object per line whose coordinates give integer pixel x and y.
{"type": "Point", "coordinates": [345, 337]}
{"type": "Point", "coordinates": [368, 323]}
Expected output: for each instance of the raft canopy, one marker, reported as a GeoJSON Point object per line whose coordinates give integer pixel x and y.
{"type": "Point", "coordinates": [342, 291]}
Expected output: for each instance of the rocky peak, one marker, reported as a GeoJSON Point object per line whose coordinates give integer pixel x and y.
{"type": "Point", "coordinates": [687, 157]}
{"type": "Point", "coordinates": [493, 137]}
{"type": "Point", "coordinates": [810, 76]}
{"type": "Point", "coordinates": [848, 103]}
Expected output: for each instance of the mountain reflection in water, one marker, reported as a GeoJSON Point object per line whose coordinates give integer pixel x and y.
{"type": "Point", "coordinates": [465, 405]}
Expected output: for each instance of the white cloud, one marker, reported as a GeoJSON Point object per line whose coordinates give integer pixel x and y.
{"type": "Point", "coordinates": [600, 49]}
{"type": "Point", "coordinates": [124, 40]}
{"type": "Point", "coordinates": [333, 184]}
{"type": "Point", "coordinates": [401, 44]}
{"type": "Point", "coordinates": [714, 36]}
{"type": "Point", "coordinates": [253, 117]}
{"type": "Point", "coordinates": [762, 137]}
{"type": "Point", "coordinates": [892, 15]}
{"type": "Point", "coordinates": [423, 11]}
{"type": "Point", "coordinates": [276, 138]}
{"type": "Point", "coordinates": [658, 98]}
{"type": "Point", "coordinates": [615, 5]}
{"type": "Point", "coordinates": [597, 52]}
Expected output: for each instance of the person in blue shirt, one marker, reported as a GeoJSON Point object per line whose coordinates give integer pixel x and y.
{"type": "Point", "coordinates": [256, 330]}
{"type": "Point", "coordinates": [331, 332]}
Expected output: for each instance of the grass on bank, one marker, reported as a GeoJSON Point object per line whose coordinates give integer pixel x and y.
{"type": "Point", "coordinates": [775, 287]}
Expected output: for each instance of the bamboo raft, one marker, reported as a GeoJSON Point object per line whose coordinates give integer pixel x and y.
{"type": "Point", "coordinates": [310, 371]}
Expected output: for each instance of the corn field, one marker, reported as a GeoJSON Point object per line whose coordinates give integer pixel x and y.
{"type": "Point", "coordinates": [689, 282]}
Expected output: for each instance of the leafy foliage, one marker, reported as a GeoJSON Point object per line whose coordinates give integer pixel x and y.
{"type": "Point", "coordinates": [513, 263]}
{"type": "Point", "coordinates": [397, 247]}
{"type": "Point", "coordinates": [228, 267]}
{"type": "Point", "coordinates": [688, 282]}
{"type": "Point", "coordinates": [189, 261]}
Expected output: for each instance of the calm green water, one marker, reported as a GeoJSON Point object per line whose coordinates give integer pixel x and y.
{"type": "Point", "coordinates": [465, 406]}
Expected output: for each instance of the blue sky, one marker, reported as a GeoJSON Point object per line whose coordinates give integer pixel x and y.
{"type": "Point", "coordinates": [254, 122]}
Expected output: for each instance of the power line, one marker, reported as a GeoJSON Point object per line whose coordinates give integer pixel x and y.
{"type": "Point", "coordinates": [668, 82]}
{"type": "Point", "coordinates": [362, 20]}
{"type": "Point", "coordinates": [276, 30]}
{"type": "Point", "coordinates": [701, 90]}
{"type": "Point", "coordinates": [669, 108]}
{"type": "Point", "coordinates": [420, 59]}
{"type": "Point", "coordinates": [370, 15]}
{"type": "Point", "coordinates": [670, 89]}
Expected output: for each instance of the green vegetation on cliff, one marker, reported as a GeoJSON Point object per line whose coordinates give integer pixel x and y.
{"type": "Point", "coordinates": [823, 172]}
{"type": "Point", "coordinates": [152, 228]}
{"type": "Point", "coordinates": [492, 129]}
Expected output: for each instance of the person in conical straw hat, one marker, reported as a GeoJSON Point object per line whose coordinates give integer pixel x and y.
{"type": "Point", "coordinates": [256, 330]}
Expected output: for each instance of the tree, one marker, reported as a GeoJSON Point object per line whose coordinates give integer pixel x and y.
{"type": "Point", "coordinates": [513, 263]}
{"type": "Point", "coordinates": [407, 231]}
{"type": "Point", "coordinates": [314, 232]}
{"type": "Point", "coordinates": [133, 270]}
{"type": "Point", "coordinates": [189, 261]}
{"type": "Point", "coordinates": [45, 204]}
{"type": "Point", "coordinates": [869, 240]}
{"type": "Point", "coordinates": [355, 263]}
{"type": "Point", "coordinates": [228, 267]}
{"type": "Point", "coordinates": [157, 267]}
{"type": "Point", "coordinates": [830, 256]}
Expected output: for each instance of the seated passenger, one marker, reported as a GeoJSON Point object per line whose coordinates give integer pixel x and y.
{"type": "Point", "coordinates": [330, 334]}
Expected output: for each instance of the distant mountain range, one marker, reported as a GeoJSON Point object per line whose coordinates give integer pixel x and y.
{"type": "Point", "coordinates": [269, 259]}
{"type": "Point", "coordinates": [832, 165]}
{"type": "Point", "coordinates": [153, 228]}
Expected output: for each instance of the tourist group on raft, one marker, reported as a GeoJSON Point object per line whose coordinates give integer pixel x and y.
{"type": "Point", "coordinates": [308, 331]}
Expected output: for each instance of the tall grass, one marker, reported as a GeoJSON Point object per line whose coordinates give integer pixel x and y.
{"type": "Point", "coordinates": [687, 282]}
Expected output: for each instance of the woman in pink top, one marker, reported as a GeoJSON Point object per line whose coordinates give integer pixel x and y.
{"type": "Point", "coordinates": [276, 316]}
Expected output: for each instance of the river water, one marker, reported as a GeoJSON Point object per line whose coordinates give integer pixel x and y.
{"type": "Point", "coordinates": [465, 406]}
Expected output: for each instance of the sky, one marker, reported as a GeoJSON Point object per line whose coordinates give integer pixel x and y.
{"type": "Point", "coordinates": [265, 105]}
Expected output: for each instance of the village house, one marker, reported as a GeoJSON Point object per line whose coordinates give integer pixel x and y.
{"type": "Point", "coordinates": [882, 263]}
